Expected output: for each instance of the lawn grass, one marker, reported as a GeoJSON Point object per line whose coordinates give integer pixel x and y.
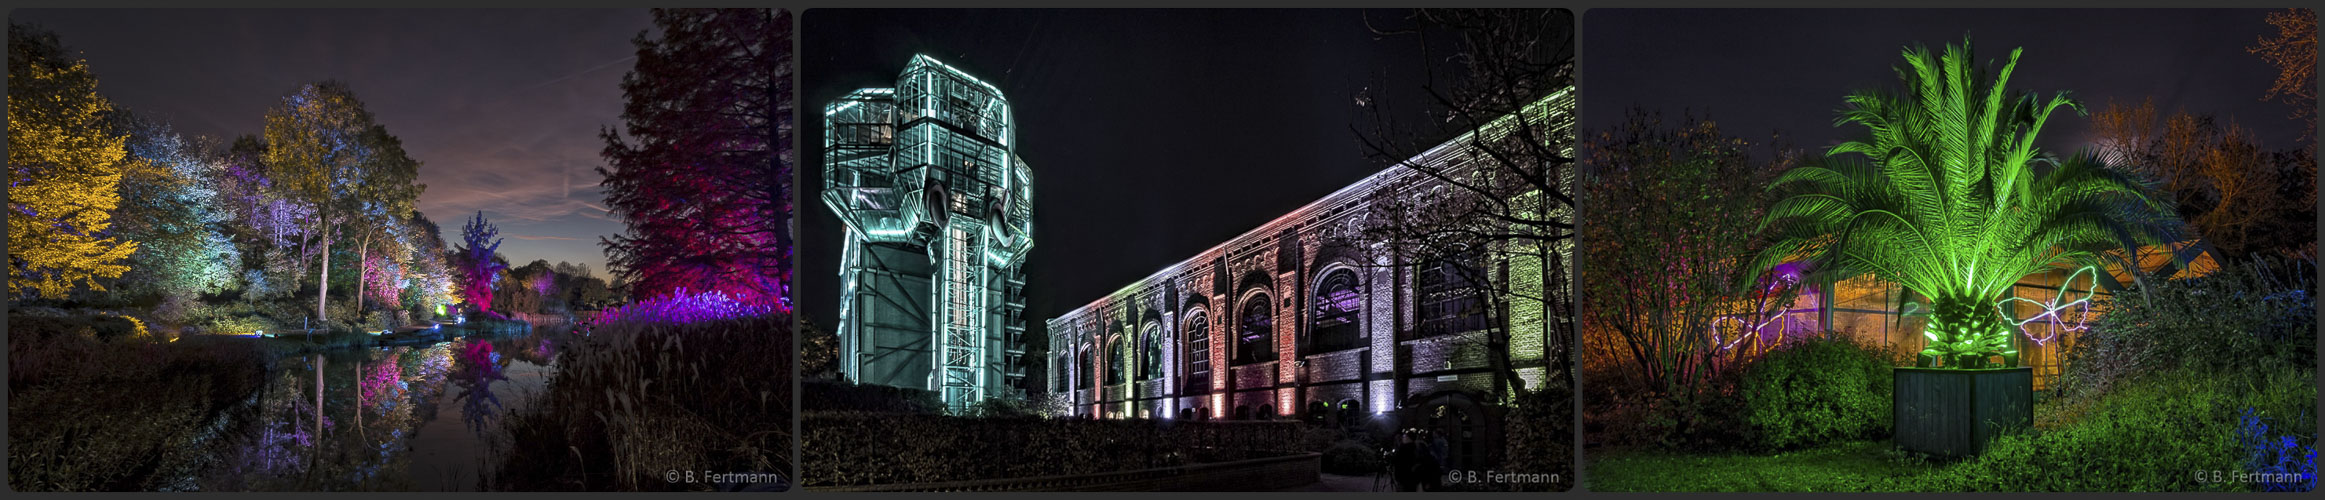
{"type": "Point", "coordinates": [2152, 435]}
{"type": "Point", "coordinates": [1845, 466]}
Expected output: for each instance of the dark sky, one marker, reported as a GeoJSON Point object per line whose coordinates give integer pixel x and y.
{"type": "Point", "coordinates": [1152, 135]}
{"type": "Point", "coordinates": [502, 107]}
{"type": "Point", "coordinates": [1757, 71]}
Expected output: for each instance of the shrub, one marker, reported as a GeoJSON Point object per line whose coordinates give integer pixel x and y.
{"type": "Point", "coordinates": [859, 448]}
{"type": "Point", "coordinates": [832, 395]}
{"type": "Point", "coordinates": [112, 328]}
{"type": "Point", "coordinates": [1700, 418]}
{"type": "Point", "coordinates": [1540, 437]}
{"type": "Point", "coordinates": [2153, 434]}
{"type": "Point", "coordinates": [2277, 454]}
{"type": "Point", "coordinates": [2250, 319]}
{"type": "Point", "coordinates": [1353, 457]}
{"type": "Point", "coordinates": [1816, 391]}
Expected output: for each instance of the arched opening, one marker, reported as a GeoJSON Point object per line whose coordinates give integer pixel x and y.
{"type": "Point", "coordinates": [1150, 359]}
{"type": "Point", "coordinates": [1242, 412]}
{"type": "Point", "coordinates": [1186, 414]}
{"type": "Point", "coordinates": [1335, 314]}
{"type": "Point", "coordinates": [1267, 412]}
{"type": "Point", "coordinates": [1082, 373]}
{"type": "Point", "coordinates": [1255, 331]}
{"type": "Point", "coordinates": [1198, 330]}
{"type": "Point", "coordinates": [1351, 412]}
{"type": "Point", "coordinates": [1461, 423]}
{"type": "Point", "coordinates": [1116, 356]}
{"type": "Point", "coordinates": [1317, 413]}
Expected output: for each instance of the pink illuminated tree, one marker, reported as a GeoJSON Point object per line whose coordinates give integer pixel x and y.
{"type": "Point", "coordinates": [700, 170]}
{"type": "Point", "coordinates": [479, 243]}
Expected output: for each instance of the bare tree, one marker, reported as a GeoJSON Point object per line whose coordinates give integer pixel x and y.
{"type": "Point", "coordinates": [1498, 84]}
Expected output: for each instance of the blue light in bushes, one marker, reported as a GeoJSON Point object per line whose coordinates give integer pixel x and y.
{"type": "Point", "coordinates": [2269, 457]}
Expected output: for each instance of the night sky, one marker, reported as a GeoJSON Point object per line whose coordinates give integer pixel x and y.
{"type": "Point", "coordinates": [1152, 135]}
{"type": "Point", "coordinates": [1757, 71]}
{"type": "Point", "coordinates": [502, 107]}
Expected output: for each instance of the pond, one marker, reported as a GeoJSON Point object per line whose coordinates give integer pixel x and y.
{"type": "Point", "coordinates": [419, 417]}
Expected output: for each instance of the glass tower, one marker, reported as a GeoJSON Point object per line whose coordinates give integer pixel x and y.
{"type": "Point", "coordinates": [939, 214]}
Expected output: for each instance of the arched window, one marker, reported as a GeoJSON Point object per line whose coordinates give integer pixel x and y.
{"type": "Point", "coordinates": [1150, 364]}
{"type": "Point", "coordinates": [1083, 374]}
{"type": "Point", "coordinates": [1198, 330]}
{"type": "Point", "coordinates": [1255, 333]}
{"type": "Point", "coordinates": [1335, 324]}
{"type": "Point", "coordinates": [1115, 358]}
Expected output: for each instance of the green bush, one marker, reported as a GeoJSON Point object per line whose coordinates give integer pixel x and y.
{"type": "Point", "coordinates": [2151, 434]}
{"type": "Point", "coordinates": [2248, 319]}
{"type": "Point", "coordinates": [1816, 391]}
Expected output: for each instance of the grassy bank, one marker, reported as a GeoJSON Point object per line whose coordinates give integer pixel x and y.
{"type": "Point", "coordinates": [126, 413]}
{"type": "Point", "coordinates": [637, 399]}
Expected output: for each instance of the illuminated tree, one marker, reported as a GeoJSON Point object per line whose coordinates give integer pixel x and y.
{"type": "Point", "coordinates": [429, 279]}
{"type": "Point", "coordinates": [2294, 52]}
{"type": "Point", "coordinates": [479, 264]}
{"type": "Point", "coordinates": [387, 190]}
{"type": "Point", "coordinates": [1947, 196]}
{"type": "Point", "coordinates": [64, 164]}
{"type": "Point", "coordinates": [701, 178]}
{"type": "Point", "coordinates": [170, 207]}
{"type": "Point", "coordinates": [324, 150]}
{"type": "Point", "coordinates": [2218, 176]}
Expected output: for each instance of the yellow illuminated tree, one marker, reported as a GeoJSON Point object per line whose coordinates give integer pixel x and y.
{"type": "Point", "coordinates": [64, 164]}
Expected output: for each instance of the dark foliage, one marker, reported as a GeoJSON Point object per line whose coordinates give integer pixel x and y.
{"type": "Point", "coordinates": [2246, 318]}
{"type": "Point", "coordinates": [636, 399]}
{"type": "Point", "coordinates": [859, 448]}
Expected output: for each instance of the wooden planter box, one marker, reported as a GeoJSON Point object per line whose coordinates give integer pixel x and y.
{"type": "Point", "coordinates": [1954, 413]}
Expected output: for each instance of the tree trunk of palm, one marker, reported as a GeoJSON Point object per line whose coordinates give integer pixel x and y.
{"type": "Point", "coordinates": [1957, 320]}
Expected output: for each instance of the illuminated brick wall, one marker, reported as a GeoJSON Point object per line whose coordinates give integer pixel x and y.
{"type": "Point", "coordinates": [1389, 368]}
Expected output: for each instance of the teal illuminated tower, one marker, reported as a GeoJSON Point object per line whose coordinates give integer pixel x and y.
{"type": "Point", "coordinates": [939, 213]}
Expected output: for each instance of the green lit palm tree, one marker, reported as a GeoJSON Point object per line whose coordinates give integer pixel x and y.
{"type": "Point", "coordinates": [1947, 195]}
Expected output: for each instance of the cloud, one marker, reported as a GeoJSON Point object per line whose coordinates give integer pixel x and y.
{"type": "Point", "coordinates": [533, 237]}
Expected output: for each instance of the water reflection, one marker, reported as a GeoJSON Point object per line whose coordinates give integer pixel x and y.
{"type": "Point", "coordinates": [367, 419]}
{"type": "Point", "coordinates": [480, 366]}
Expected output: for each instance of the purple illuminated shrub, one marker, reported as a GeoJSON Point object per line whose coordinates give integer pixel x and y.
{"type": "Point", "coordinates": [681, 306]}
